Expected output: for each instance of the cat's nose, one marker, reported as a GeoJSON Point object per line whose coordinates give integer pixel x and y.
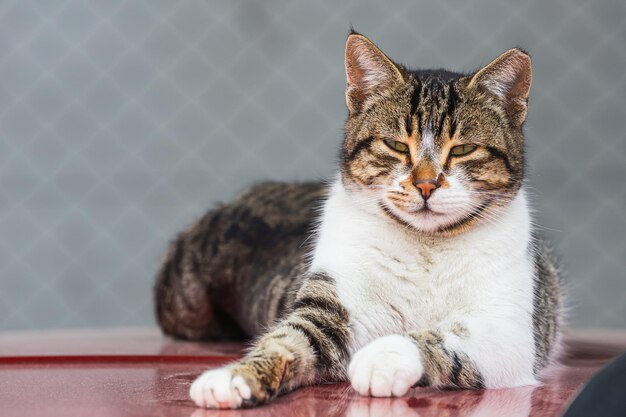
{"type": "Point", "coordinates": [426, 187]}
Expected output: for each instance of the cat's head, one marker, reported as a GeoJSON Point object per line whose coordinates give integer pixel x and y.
{"type": "Point", "coordinates": [433, 150]}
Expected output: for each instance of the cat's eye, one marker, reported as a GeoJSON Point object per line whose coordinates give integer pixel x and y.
{"type": "Point", "coordinates": [397, 145]}
{"type": "Point", "coordinates": [462, 150]}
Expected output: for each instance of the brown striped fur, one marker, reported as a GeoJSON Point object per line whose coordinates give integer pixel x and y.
{"type": "Point", "coordinates": [308, 346]}
{"type": "Point", "coordinates": [444, 368]}
{"type": "Point", "coordinates": [235, 270]}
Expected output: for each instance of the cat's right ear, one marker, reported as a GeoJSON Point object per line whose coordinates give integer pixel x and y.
{"type": "Point", "coordinates": [368, 71]}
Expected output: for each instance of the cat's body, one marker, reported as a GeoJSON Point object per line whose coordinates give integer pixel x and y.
{"type": "Point", "coordinates": [421, 267]}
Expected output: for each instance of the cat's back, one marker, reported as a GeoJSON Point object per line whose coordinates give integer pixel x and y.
{"type": "Point", "coordinates": [263, 215]}
{"type": "Point", "coordinates": [264, 234]}
{"type": "Point", "coordinates": [268, 221]}
{"type": "Point", "coordinates": [281, 203]}
{"type": "Point", "coordinates": [238, 261]}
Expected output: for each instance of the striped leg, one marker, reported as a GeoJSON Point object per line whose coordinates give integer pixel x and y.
{"type": "Point", "coordinates": [444, 367]}
{"type": "Point", "coordinates": [478, 352]}
{"type": "Point", "coordinates": [307, 347]}
{"type": "Point", "coordinates": [468, 354]}
{"type": "Point", "coordinates": [391, 365]}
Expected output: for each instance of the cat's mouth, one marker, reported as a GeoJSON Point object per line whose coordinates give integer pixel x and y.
{"type": "Point", "coordinates": [412, 207]}
{"type": "Point", "coordinates": [423, 218]}
{"type": "Point", "coordinates": [426, 209]}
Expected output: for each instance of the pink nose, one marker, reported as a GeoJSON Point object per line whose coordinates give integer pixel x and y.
{"type": "Point", "coordinates": [426, 187]}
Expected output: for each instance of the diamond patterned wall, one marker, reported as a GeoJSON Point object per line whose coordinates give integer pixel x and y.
{"type": "Point", "coordinates": [122, 121]}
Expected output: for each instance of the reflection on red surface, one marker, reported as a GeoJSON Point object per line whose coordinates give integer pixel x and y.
{"type": "Point", "coordinates": [137, 373]}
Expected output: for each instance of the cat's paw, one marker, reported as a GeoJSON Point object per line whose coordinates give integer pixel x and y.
{"type": "Point", "coordinates": [219, 388]}
{"type": "Point", "coordinates": [388, 366]}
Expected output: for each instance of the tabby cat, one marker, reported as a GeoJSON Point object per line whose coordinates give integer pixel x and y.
{"type": "Point", "coordinates": [421, 267]}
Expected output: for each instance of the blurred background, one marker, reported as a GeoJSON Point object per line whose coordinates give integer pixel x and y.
{"type": "Point", "coordinates": [122, 121]}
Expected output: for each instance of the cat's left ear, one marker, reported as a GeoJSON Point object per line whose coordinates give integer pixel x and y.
{"type": "Point", "coordinates": [508, 77]}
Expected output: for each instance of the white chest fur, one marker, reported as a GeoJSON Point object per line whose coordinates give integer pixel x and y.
{"type": "Point", "coordinates": [393, 280]}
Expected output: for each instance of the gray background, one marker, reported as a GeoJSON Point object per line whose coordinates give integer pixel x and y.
{"type": "Point", "coordinates": [121, 121]}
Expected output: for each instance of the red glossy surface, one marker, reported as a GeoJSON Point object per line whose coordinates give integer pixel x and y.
{"type": "Point", "coordinates": [139, 373]}
{"type": "Point", "coordinates": [108, 342]}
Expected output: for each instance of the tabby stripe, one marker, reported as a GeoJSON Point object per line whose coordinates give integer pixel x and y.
{"type": "Point", "coordinates": [384, 160]}
{"type": "Point", "coordinates": [442, 367]}
{"type": "Point", "coordinates": [409, 124]}
{"type": "Point", "coordinates": [313, 341]}
{"type": "Point", "coordinates": [415, 99]}
{"type": "Point", "coordinates": [456, 369]}
{"type": "Point", "coordinates": [370, 179]}
{"type": "Point", "coordinates": [332, 333]}
{"type": "Point", "coordinates": [502, 156]}
{"type": "Point", "coordinates": [360, 146]}
{"type": "Point", "coordinates": [453, 99]}
{"type": "Point", "coordinates": [442, 115]}
{"type": "Point", "coordinates": [478, 381]}
{"type": "Point", "coordinates": [420, 120]}
{"type": "Point", "coordinates": [324, 358]}
{"type": "Point", "coordinates": [327, 316]}
{"type": "Point", "coordinates": [323, 304]}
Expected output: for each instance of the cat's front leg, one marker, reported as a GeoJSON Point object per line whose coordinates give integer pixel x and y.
{"type": "Point", "coordinates": [472, 354]}
{"type": "Point", "coordinates": [309, 346]}
{"type": "Point", "coordinates": [391, 365]}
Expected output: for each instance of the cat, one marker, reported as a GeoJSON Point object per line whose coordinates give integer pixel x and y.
{"type": "Point", "coordinates": [417, 266]}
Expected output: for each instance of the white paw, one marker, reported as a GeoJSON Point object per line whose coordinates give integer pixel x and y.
{"type": "Point", "coordinates": [386, 367]}
{"type": "Point", "coordinates": [218, 388]}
